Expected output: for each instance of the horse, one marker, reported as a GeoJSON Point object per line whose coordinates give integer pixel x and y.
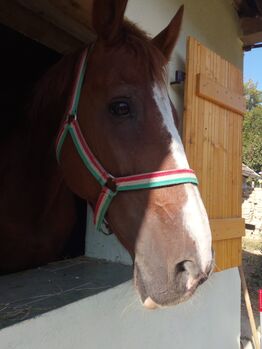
{"type": "Point", "coordinates": [102, 126]}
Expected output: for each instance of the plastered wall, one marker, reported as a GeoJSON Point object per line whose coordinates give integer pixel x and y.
{"type": "Point", "coordinates": [213, 22]}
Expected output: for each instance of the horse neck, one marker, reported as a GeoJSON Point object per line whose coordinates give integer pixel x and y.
{"type": "Point", "coordinates": [47, 111]}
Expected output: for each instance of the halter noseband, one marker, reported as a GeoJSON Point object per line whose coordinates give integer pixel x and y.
{"type": "Point", "coordinates": [110, 185]}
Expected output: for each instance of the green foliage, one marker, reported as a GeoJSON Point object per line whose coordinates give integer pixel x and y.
{"type": "Point", "coordinates": [252, 127]}
{"type": "Point", "coordinates": [252, 94]}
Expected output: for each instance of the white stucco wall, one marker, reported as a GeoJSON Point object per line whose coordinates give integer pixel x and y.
{"type": "Point", "coordinates": [214, 23]}
{"type": "Point", "coordinates": [212, 319]}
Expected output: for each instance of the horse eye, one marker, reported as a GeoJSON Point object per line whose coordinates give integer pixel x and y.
{"type": "Point", "coordinates": [119, 109]}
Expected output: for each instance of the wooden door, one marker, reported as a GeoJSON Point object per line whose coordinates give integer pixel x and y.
{"type": "Point", "coordinates": [212, 135]}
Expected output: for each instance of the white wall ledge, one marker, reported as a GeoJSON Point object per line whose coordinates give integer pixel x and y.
{"type": "Point", "coordinates": [115, 319]}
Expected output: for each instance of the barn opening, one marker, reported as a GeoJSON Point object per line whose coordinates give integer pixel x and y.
{"type": "Point", "coordinates": [26, 294]}
{"type": "Point", "coordinates": [23, 62]}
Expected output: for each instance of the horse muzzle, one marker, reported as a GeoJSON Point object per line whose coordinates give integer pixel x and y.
{"type": "Point", "coordinates": [162, 290]}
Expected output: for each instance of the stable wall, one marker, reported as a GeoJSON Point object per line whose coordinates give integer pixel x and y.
{"type": "Point", "coordinates": [214, 23]}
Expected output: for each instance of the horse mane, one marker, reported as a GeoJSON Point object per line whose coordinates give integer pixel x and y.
{"type": "Point", "coordinates": [148, 55]}
{"type": "Point", "coordinates": [51, 94]}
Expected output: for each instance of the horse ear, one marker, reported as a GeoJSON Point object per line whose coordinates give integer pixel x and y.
{"type": "Point", "coordinates": [167, 38]}
{"type": "Point", "coordinates": [107, 18]}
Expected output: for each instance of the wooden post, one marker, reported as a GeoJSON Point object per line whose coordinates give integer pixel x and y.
{"type": "Point", "coordinates": [260, 313]}
{"type": "Point", "coordinates": [249, 308]}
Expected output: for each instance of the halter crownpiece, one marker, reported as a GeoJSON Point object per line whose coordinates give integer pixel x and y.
{"type": "Point", "coordinates": [110, 185]}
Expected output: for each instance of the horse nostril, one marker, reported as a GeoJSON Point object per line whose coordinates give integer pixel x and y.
{"type": "Point", "coordinates": [187, 274]}
{"type": "Point", "coordinates": [180, 267]}
{"type": "Point", "coordinates": [187, 266]}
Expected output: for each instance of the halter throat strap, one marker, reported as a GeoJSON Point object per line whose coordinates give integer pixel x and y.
{"type": "Point", "coordinates": [110, 185]}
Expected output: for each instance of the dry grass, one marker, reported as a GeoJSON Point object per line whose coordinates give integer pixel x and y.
{"type": "Point", "coordinates": [252, 245]}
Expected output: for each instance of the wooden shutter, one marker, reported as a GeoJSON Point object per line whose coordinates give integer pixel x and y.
{"type": "Point", "coordinates": [212, 135]}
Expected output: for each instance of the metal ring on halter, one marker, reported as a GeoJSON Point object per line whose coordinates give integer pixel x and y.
{"type": "Point", "coordinates": [104, 226]}
{"type": "Point", "coordinates": [70, 118]}
{"type": "Point", "coordinates": [111, 184]}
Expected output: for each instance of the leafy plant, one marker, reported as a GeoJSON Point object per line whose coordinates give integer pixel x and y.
{"type": "Point", "coordinates": [252, 127]}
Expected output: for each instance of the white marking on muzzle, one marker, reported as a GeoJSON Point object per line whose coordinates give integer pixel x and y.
{"type": "Point", "coordinates": [163, 103]}
{"type": "Point", "coordinates": [196, 222]}
{"type": "Point", "coordinates": [194, 213]}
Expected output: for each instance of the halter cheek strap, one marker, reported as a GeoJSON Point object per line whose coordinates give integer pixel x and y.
{"type": "Point", "coordinates": [110, 185]}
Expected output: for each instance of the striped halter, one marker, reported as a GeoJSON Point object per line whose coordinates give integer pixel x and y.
{"type": "Point", "coordinates": [110, 185]}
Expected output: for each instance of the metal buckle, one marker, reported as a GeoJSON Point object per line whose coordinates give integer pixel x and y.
{"type": "Point", "coordinates": [70, 118]}
{"type": "Point", "coordinates": [104, 226]}
{"type": "Point", "coordinates": [111, 184]}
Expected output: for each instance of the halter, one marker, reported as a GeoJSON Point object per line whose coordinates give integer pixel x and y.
{"type": "Point", "coordinates": [110, 185]}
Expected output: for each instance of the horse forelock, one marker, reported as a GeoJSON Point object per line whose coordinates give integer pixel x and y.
{"type": "Point", "coordinates": [137, 42]}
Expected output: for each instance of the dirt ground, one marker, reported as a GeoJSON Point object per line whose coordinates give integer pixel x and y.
{"type": "Point", "coordinates": [252, 264]}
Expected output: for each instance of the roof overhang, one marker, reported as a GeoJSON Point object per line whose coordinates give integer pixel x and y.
{"type": "Point", "coordinates": [66, 25]}
{"type": "Point", "coordinates": [62, 25]}
{"type": "Point", "coordinates": [250, 15]}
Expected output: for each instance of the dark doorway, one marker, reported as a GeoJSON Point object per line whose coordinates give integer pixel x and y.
{"type": "Point", "coordinates": [23, 62]}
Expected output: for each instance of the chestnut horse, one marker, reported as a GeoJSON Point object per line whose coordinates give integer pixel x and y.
{"type": "Point", "coordinates": [126, 121]}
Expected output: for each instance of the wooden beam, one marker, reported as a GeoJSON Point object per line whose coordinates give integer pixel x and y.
{"type": "Point", "coordinates": [17, 17]}
{"type": "Point", "coordinates": [211, 90]}
{"type": "Point", "coordinates": [259, 5]}
{"type": "Point", "coordinates": [249, 308]}
{"type": "Point", "coordinates": [237, 4]}
{"type": "Point", "coordinates": [247, 8]}
{"type": "Point", "coordinates": [227, 228]}
{"type": "Point", "coordinates": [251, 25]}
{"type": "Point", "coordinates": [252, 39]}
{"type": "Point", "coordinates": [78, 10]}
{"type": "Point", "coordinates": [51, 12]}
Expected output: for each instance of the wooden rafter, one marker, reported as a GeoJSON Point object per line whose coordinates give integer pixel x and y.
{"type": "Point", "coordinates": [250, 14]}
{"type": "Point", "coordinates": [259, 5]}
{"type": "Point", "coordinates": [65, 25]}
{"type": "Point", "coordinates": [50, 12]}
{"type": "Point", "coordinates": [59, 24]}
{"type": "Point", "coordinates": [251, 25]}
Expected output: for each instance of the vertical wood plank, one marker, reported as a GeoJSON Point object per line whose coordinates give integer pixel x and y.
{"type": "Point", "coordinates": [212, 137]}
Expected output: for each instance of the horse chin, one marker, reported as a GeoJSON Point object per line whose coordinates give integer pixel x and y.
{"type": "Point", "coordinates": [150, 304]}
{"type": "Point", "coordinates": [151, 298]}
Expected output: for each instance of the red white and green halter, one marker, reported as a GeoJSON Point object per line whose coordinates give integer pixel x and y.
{"type": "Point", "coordinates": [110, 185]}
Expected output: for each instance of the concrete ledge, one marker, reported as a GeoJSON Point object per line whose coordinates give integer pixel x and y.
{"type": "Point", "coordinates": [115, 319]}
{"type": "Point", "coordinates": [30, 293]}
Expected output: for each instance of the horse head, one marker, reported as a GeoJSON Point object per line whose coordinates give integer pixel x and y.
{"type": "Point", "coordinates": [128, 121]}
